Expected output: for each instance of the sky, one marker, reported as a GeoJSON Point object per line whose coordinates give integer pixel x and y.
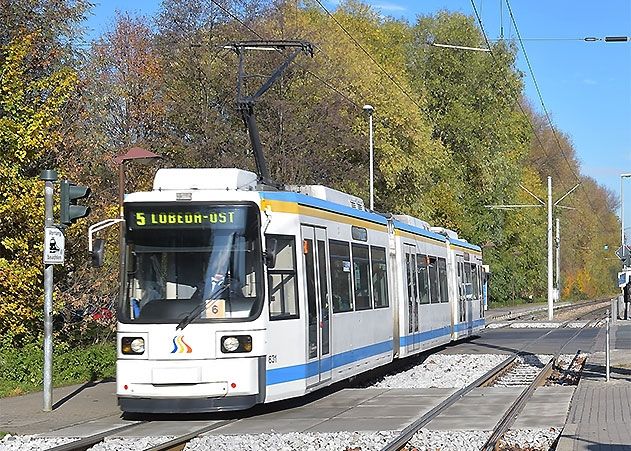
{"type": "Point", "coordinates": [586, 86]}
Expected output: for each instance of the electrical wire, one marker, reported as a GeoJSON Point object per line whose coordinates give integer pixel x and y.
{"type": "Point", "coordinates": [547, 115]}
{"type": "Point", "coordinates": [387, 74]}
{"type": "Point", "coordinates": [516, 96]}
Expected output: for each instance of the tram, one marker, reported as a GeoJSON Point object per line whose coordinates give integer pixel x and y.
{"type": "Point", "coordinates": [236, 294]}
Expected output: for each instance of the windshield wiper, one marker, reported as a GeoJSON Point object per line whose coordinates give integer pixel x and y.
{"type": "Point", "coordinates": [199, 309]}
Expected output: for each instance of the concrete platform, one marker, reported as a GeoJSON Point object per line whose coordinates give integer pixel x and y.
{"type": "Point", "coordinates": [548, 407]}
{"type": "Point", "coordinates": [480, 410]}
{"type": "Point", "coordinates": [600, 413]}
{"type": "Point", "coordinates": [346, 410]}
{"type": "Point", "coordinates": [71, 405]}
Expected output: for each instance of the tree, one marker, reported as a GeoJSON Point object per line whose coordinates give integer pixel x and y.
{"type": "Point", "coordinates": [30, 114]}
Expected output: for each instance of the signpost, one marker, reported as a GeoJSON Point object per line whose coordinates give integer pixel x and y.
{"type": "Point", "coordinates": [54, 253]}
{"type": "Point", "coordinates": [54, 246]}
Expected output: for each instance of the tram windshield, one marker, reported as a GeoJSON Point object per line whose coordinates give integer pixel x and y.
{"type": "Point", "coordinates": [180, 257]}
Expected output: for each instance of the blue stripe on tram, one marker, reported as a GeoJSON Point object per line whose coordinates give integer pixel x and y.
{"type": "Point", "coordinates": [305, 370]}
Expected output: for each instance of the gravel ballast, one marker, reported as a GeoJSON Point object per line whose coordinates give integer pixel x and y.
{"type": "Point", "coordinates": [442, 371]}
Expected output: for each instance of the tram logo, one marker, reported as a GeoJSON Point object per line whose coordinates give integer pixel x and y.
{"type": "Point", "coordinates": [180, 346]}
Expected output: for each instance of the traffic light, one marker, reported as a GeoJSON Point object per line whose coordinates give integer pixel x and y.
{"type": "Point", "coordinates": [70, 194]}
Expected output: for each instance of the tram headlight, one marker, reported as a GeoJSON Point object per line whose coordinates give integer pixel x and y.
{"type": "Point", "coordinates": [236, 343]}
{"type": "Point", "coordinates": [133, 345]}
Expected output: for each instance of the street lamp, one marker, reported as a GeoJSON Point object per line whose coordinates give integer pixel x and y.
{"type": "Point", "coordinates": [135, 153]}
{"type": "Point", "coordinates": [369, 109]}
{"type": "Point", "coordinates": [141, 155]}
{"type": "Point", "coordinates": [622, 177]}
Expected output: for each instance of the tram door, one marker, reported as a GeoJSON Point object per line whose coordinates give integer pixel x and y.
{"type": "Point", "coordinates": [314, 250]}
{"type": "Point", "coordinates": [411, 265]}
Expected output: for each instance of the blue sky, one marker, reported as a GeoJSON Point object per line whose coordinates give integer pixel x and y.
{"type": "Point", "coordinates": [586, 86]}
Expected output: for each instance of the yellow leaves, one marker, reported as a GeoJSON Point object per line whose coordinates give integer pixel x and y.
{"type": "Point", "coordinates": [30, 104]}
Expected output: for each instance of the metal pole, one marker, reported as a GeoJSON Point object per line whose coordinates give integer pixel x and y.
{"type": "Point", "coordinates": [121, 228]}
{"type": "Point", "coordinates": [48, 176]}
{"type": "Point", "coordinates": [550, 289]}
{"type": "Point", "coordinates": [372, 162]}
{"type": "Point", "coordinates": [557, 276]}
{"type": "Point", "coordinates": [621, 212]}
{"type": "Point", "coordinates": [607, 346]}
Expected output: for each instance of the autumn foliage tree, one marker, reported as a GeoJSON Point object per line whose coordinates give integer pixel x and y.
{"type": "Point", "coordinates": [453, 133]}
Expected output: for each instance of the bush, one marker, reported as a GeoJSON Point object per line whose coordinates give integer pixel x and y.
{"type": "Point", "coordinates": [21, 370]}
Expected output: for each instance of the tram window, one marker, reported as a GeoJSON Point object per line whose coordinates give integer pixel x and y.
{"type": "Point", "coordinates": [433, 280]}
{"type": "Point", "coordinates": [476, 281]}
{"type": "Point", "coordinates": [379, 276]}
{"type": "Point", "coordinates": [442, 278]}
{"type": "Point", "coordinates": [359, 233]}
{"type": "Point", "coordinates": [361, 274]}
{"type": "Point", "coordinates": [423, 278]}
{"type": "Point", "coordinates": [282, 280]}
{"type": "Point", "coordinates": [340, 257]}
{"type": "Point", "coordinates": [467, 278]}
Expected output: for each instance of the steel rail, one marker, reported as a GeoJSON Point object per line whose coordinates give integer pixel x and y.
{"type": "Point", "coordinates": [86, 442]}
{"type": "Point", "coordinates": [406, 434]}
{"type": "Point", "coordinates": [510, 415]}
{"type": "Point", "coordinates": [179, 443]}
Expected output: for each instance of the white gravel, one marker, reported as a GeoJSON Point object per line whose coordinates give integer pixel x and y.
{"type": "Point", "coordinates": [530, 439]}
{"type": "Point", "coordinates": [126, 444]}
{"type": "Point", "coordinates": [338, 441]}
{"type": "Point", "coordinates": [442, 371]}
{"type": "Point", "coordinates": [426, 440]}
{"type": "Point", "coordinates": [31, 442]}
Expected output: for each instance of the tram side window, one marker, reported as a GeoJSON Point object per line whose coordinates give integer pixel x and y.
{"type": "Point", "coordinates": [379, 276]}
{"type": "Point", "coordinates": [467, 278]}
{"type": "Point", "coordinates": [282, 279]}
{"type": "Point", "coordinates": [423, 278]}
{"type": "Point", "coordinates": [361, 274]}
{"type": "Point", "coordinates": [442, 278]}
{"type": "Point", "coordinates": [340, 257]}
{"type": "Point", "coordinates": [475, 280]}
{"type": "Point", "coordinates": [433, 280]}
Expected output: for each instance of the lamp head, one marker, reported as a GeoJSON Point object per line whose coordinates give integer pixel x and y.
{"type": "Point", "coordinates": [369, 109]}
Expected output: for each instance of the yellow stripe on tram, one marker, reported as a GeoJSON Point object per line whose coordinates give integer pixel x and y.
{"type": "Point", "coordinates": [280, 206]}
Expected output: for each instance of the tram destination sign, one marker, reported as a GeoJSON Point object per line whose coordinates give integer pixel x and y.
{"type": "Point", "coordinates": [190, 217]}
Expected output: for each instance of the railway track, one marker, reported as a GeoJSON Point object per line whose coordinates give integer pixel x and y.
{"type": "Point", "coordinates": [518, 369]}
{"type": "Point", "coordinates": [542, 315]}
{"type": "Point", "coordinates": [176, 444]}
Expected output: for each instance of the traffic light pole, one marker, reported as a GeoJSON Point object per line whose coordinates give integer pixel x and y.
{"type": "Point", "coordinates": [48, 176]}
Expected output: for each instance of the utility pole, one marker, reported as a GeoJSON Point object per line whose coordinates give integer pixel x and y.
{"type": "Point", "coordinates": [550, 276]}
{"type": "Point", "coordinates": [550, 242]}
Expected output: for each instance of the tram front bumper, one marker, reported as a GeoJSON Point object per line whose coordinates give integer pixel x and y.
{"type": "Point", "coordinates": [169, 386]}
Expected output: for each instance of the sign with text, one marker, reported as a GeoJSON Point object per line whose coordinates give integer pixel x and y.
{"type": "Point", "coordinates": [192, 217]}
{"type": "Point", "coordinates": [54, 246]}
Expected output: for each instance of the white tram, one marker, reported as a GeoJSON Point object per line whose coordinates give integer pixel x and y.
{"type": "Point", "coordinates": [237, 296]}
